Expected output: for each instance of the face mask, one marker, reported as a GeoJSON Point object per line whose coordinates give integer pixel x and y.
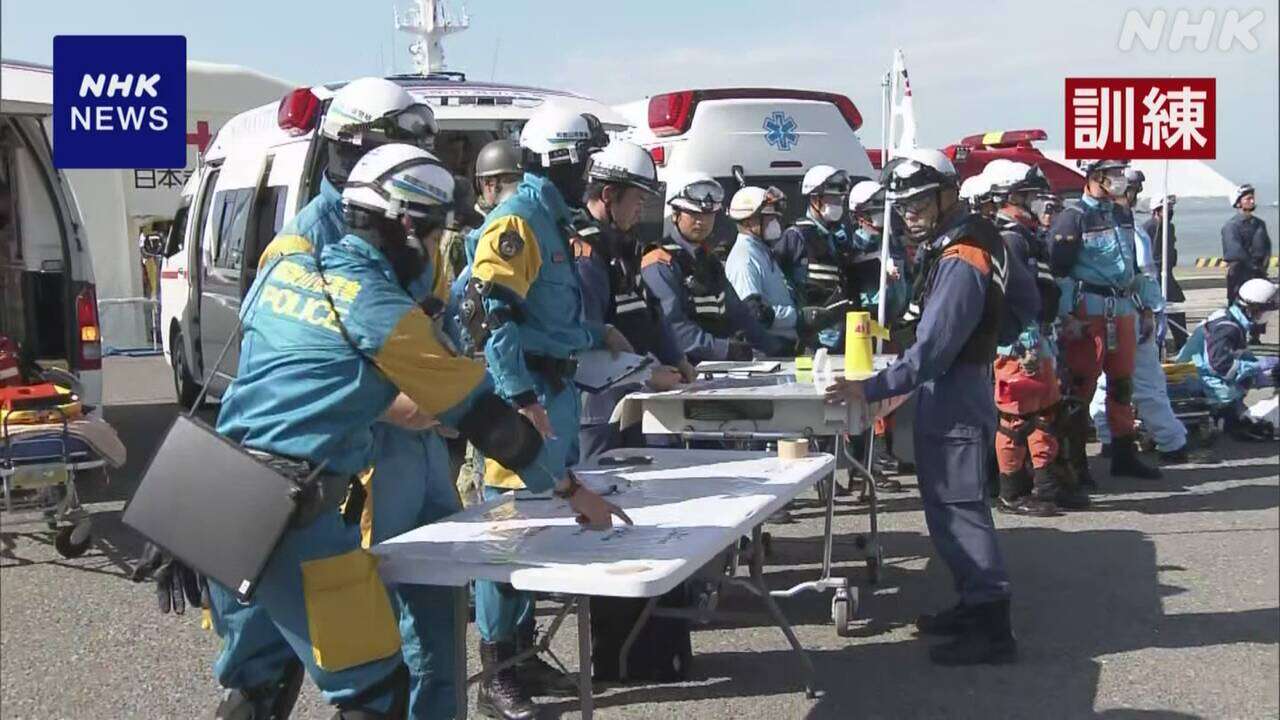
{"type": "Point", "coordinates": [772, 230]}
{"type": "Point", "coordinates": [832, 212]}
{"type": "Point", "coordinates": [1116, 185]}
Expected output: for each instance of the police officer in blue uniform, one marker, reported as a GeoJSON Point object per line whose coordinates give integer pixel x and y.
{"type": "Point", "coordinates": [331, 339]}
{"type": "Point", "coordinates": [684, 273]}
{"type": "Point", "coordinates": [960, 290]}
{"type": "Point", "coordinates": [532, 328]}
{"type": "Point", "coordinates": [759, 280]}
{"type": "Point", "coordinates": [814, 253]}
{"type": "Point", "coordinates": [256, 663]}
{"type": "Point", "coordinates": [619, 178]}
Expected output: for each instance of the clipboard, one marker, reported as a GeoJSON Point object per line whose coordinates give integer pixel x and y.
{"type": "Point", "coordinates": [600, 369]}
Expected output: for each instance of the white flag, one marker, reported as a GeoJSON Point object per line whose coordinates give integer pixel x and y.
{"type": "Point", "coordinates": [903, 107]}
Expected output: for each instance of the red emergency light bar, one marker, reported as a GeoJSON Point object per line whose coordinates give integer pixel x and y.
{"type": "Point", "coordinates": [1004, 139]}
{"type": "Point", "coordinates": [298, 111]}
{"type": "Point", "coordinates": [672, 113]}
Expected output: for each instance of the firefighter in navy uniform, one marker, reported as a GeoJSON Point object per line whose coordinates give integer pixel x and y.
{"type": "Point", "coordinates": [961, 274]}
{"type": "Point", "coordinates": [1246, 246]}
{"type": "Point", "coordinates": [814, 252]}
{"type": "Point", "coordinates": [684, 274]}
{"type": "Point", "coordinates": [618, 179]}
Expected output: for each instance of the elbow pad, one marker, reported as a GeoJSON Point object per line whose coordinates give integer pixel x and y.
{"type": "Point", "coordinates": [501, 433]}
{"type": "Point", "coordinates": [760, 310]}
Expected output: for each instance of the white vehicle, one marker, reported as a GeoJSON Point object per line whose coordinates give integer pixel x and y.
{"type": "Point", "coordinates": [761, 136]}
{"type": "Point", "coordinates": [48, 301]}
{"type": "Point", "coordinates": [265, 165]}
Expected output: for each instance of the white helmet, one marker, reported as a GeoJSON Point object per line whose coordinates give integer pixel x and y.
{"type": "Point", "coordinates": [375, 106]}
{"type": "Point", "coordinates": [825, 180]}
{"type": "Point", "coordinates": [975, 188]}
{"type": "Point", "coordinates": [1259, 293]}
{"type": "Point", "coordinates": [696, 192]}
{"type": "Point", "coordinates": [624, 163]}
{"type": "Point", "coordinates": [1160, 202]}
{"type": "Point", "coordinates": [397, 180]}
{"type": "Point", "coordinates": [1012, 177]}
{"type": "Point", "coordinates": [1238, 195]}
{"type": "Point", "coordinates": [559, 136]}
{"type": "Point", "coordinates": [866, 196]}
{"type": "Point", "coordinates": [752, 200]}
{"type": "Point", "coordinates": [916, 171]}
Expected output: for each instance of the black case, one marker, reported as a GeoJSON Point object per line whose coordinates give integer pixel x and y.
{"type": "Point", "coordinates": [212, 505]}
{"type": "Point", "coordinates": [662, 652]}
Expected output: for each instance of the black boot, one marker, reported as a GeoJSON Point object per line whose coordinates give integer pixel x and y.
{"type": "Point", "coordinates": [1017, 498]}
{"type": "Point", "coordinates": [1069, 495]}
{"type": "Point", "coordinates": [1075, 439]}
{"type": "Point", "coordinates": [536, 675]}
{"type": "Point", "coordinates": [501, 696]}
{"type": "Point", "coordinates": [1125, 461]}
{"type": "Point", "coordinates": [1175, 457]}
{"type": "Point", "coordinates": [955, 620]}
{"type": "Point", "coordinates": [988, 641]}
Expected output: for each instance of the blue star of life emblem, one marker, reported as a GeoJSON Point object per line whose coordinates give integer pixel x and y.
{"type": "Point", "coordinates": [780, 130]}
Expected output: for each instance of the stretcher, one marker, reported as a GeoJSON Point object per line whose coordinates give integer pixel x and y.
{"type": "Point", "coordinates": [534, 543]}
{"type": "Point", "coordinates": [39, 465]}
{"type": "Point", "coordinates": [776, 406]}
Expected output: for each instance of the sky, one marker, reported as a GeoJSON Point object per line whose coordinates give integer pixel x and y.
{"type": "Point", "coordinates": [974, 66]}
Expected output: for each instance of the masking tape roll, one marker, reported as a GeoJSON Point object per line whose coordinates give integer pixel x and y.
{"type": "Point", "coordinates": [793, 449]}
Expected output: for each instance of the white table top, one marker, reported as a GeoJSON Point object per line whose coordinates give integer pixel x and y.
{"type": "Point", "coordinates": [688, 505]}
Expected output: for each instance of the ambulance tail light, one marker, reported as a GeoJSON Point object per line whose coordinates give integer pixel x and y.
{"type": "Point", "coordinates": [88, 329]}
{"type": "Point", "coordinates": [671, 113]}
{"type": "Point", "coordinates": [298, 111]}
{"type": "Point", "coordinates": [659, 155]}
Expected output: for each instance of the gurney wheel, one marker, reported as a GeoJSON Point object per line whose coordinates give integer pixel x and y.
{"type": "Point", "coordinates": [843, 608]}
{"type": "Point", "coordinates": [72, 544]}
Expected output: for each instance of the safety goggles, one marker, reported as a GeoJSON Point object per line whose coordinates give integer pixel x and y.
{"type": "Point", "coordinates": [415, 124]}
{"type": "Point", "coordinates": [705, 196]}
{"type": "Point", "coordinates": [914, 205]}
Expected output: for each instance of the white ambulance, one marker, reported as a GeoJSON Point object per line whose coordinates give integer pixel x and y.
{"type": "Point", "coordinates": [766, 136]}
{"type": "Point", "coordinates": [262, 167]}
{"type": "Point", "coordinates": [48, 300]}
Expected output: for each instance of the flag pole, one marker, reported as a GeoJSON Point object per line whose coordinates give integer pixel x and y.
{"type": "Point", "coordinates": [890, 87]}
{"type": "Point", "coordinates": [1164, 246]}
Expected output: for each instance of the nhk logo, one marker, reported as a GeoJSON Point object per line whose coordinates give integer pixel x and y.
{"type": "Point", "coordinates": [120, 101]}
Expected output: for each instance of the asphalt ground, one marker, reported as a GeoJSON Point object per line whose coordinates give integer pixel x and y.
{"type": "Point", "coordinates": [1163, 601]}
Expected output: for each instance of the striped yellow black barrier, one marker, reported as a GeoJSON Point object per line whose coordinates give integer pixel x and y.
{"type": "Point", "coordinates": [1215, 262]}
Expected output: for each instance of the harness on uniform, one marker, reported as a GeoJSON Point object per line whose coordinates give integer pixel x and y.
{"type": "Point", "coordinates": [628, 295]}
{"type": "Point", "coordinates": [1043, 419]}
{"type": "Point", "coordinates": [974, 231]}
{"type": "Point", "coordinates": [825, 279]}
{"type": "Point", "coordinates": [702, 277]}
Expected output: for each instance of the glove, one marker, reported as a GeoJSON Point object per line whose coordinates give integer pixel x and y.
{"type": "Point", "coordinates": [176, 584]}
{"type": "Point", "coordinates": [1030, 362]}
{"type": "Point", "coordinates": [815, 318]}
{"type": "Point", "coordinates": [739, 351]}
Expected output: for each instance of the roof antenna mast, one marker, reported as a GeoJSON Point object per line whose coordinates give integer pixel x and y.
{"type": "Point", "coordinates": [430, 21]}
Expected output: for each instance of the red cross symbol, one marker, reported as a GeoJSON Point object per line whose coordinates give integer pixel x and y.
{"type": "Point", "coordinates": [201, 137]}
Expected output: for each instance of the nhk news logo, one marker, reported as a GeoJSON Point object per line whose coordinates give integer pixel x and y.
{"type": "Point", "coordinates": [119, 101]}
{"type": "Point", "coordinates": [1141, 118]}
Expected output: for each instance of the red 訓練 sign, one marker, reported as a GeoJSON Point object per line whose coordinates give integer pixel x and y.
{"type": "Point", "coordinates": [1141, 118]}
